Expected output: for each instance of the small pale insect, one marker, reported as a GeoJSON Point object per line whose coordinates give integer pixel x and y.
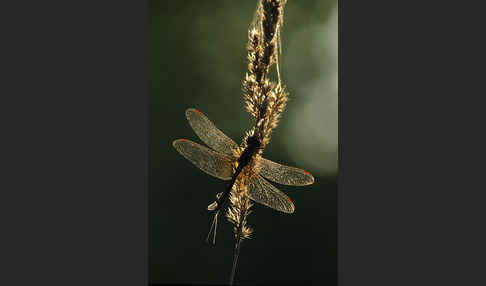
{"type": "Point", "coordinates": [228, 161]}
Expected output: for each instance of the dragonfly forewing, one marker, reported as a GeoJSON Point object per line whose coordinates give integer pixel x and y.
{"type": "Point", "coordinates": [211, 162]}
{"type": "Point", "coordinates": [262, 192]}
{"type": "Point", "coordinates": [285, 175]}
{"type": "Point", "coordinates": [209, 133]}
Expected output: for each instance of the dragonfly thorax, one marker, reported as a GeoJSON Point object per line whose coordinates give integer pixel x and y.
{"type": "Point", "coordinates": [253, 145]}
{"type": "Point", "coordinates": [253, 142]}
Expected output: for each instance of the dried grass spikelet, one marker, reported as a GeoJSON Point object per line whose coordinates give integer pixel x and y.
{"type": "Point", "coordinates": [265, 100]}
{"type": "Point", "coordinates": [239, 210]}
{"type": "Point", "coordinates": [237, 214]}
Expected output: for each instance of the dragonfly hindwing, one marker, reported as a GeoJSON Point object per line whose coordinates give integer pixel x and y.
{"type": "Point", "coordinates": [261, 191]}
{"type": "Point", "coordinates": [211, 162]}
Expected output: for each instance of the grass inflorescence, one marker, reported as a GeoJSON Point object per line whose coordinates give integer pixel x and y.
{"type": "Point", "coordinates": [265, 100]}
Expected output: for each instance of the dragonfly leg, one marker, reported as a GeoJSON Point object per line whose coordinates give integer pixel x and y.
{"type": "Point", "coordinates": [214, 226]}
{"type": "Point", "coordinates": [213, 206]}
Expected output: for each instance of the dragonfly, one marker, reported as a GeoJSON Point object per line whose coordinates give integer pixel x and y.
{"type": "Point", "coordinates": [227, 161]}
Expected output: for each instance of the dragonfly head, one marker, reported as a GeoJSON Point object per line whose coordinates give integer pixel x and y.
{"type": "Point", "coordinates": [253, 142]}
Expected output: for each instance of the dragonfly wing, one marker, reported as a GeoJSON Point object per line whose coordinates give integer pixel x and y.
{"type": "Point", "coordinates": [211, 162]}
{"type": "Point", "coordinates": [285, 175]}
{"type": "Point", "coordinates": [261, 191]}
{"type": "Point", "coordinates": [209, 133]}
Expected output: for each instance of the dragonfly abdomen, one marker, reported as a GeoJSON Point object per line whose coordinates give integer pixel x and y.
{"type": "Point", "coordinates": [253, 145]}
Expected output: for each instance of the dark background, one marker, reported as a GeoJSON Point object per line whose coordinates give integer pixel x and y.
{"type": "Point", "coordinates": [197, 58]}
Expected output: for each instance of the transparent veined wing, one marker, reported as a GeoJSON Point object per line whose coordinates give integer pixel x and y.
{"type": "Point", "coordinates": [262, 192]}
{"type": "Point", "coordinates": [285, 175]}
{"type": "Point", "coordinates": [209, 133]}
{"type": "Point", "coordinates": [211, 162]}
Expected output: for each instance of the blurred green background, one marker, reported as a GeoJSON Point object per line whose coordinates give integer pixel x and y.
{"type": "Point", "coordinates": [197, 58]}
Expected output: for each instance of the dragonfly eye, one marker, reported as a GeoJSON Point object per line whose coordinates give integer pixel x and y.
{"type": "Point", "coordinates": [253, 141]}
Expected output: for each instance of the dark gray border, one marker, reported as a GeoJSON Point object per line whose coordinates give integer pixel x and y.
{"type": "Point", "coordinates": [75, 160]}
{"type": "Point", "coordinates": [408, 193]}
